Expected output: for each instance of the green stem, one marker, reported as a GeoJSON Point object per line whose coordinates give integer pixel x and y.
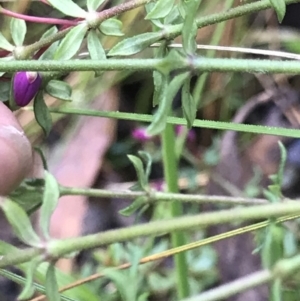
{"type": "Point", "coordinates": [209, 124]}
{"type": "Point", "coordinates": [235, 12]}
{"type": "Point", "coordinates": [155, 228]}
{"type": "Point", "coordinates": [161, 196]}
{"type": "Point", "coordinates": [283, 269]}
{"type": "Point", "coordinates": [231, 289]}
{"type": "Point", "coordinates": [170, 163]}
{"type": "Point", "coordinates": [172, 64]}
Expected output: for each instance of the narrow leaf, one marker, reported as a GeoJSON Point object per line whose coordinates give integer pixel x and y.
{"type": "Point", "coordinates": [71, 43]}
{"type": "Point", "coordinates": [161, 9]}
{"type": "Point", "coordinates": [134, 206]}
{"type": "Point", "coordinates": [59, 89]}
{"type": "Point", "coordinates": [18, 31]}
{"type": "Point", "coordinates": [69, 8]}
{"type": "Point", "coordinates": [29, 289]}
{"type": "Point", "coordinates": [283, 156]}
{"type": "Point", "coordinates": [280, 8]}
{"type": "Point", "coordinates": [51, 285]}
{"type": "Point", "coordinates": [51, 31]}
{"type": "Point", "coordinates": [189, 29]}
{"type": "Point", "coordinates": [158, 78]}
{"type": "Point", "coordinates": [111, 27]}
{"type": "Point", "coordinates": [20, 222]}
{"type": "Point", "coordinates": [49, 53]}
{"type": "Point", "coordinates": [4, 44]}
{"type": "Point", "coordinates": [148, 160]}
{"type": "Point", "coordinates": [42, 114]}
{"type": "Point", "coordinates": [189, 105]}
{"type": "Point", "coordinates": [93, 5]}
{"type": "Point", "coordinates": [50, 200]}
{"type": "Point", "coordinates": [135, 44]}
{"type": "Point", "coordinates": [160, 118]}
{"type": "Point", "coordinates": [28, 197]}
{"type": "Point", "coordinates": [95, 48]}
{"type": "Point", "coordinates": [139, 168]}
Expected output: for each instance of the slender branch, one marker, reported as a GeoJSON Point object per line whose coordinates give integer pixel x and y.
{"type": "Point", "coordinates": [209, 124]}
{"type": "Point", "coordinates": [238, 11]}
{"type": "Point", "coordinates": [225, 291]}
{"type": "Point", "coordinates": [119, 9]}
{"type": "Point", "coordinates": [266, 52]}
{"type": "Point", "coordinates": [156, 228]}
{"type": "Point", "coordinates": [282, 270]}
{"type": "Point", "coordinates": [43, 20]}
{"type": "Point", "coordinates": [161, 196]}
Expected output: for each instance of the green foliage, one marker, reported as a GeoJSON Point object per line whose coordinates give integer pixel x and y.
{"type": "Point", "coordinates": [42, 113]}
{"type": "Point", "coordinates": [59, 89]}
{"type": "Point", "coordinates": [173, 73]}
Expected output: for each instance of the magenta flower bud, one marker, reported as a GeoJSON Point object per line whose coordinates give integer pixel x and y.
{"type": "Point", "coordinates": [26, 85]}
{"type": "Point", "coordinates": [140, 134]}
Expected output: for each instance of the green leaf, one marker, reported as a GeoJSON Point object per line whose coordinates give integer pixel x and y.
{"type": "Point", "coordinates": [69, 8]}
{"type": "Point", "coordinates": [95, 48]}
{"type": "Point", "coordinates": [59, 89]}
{"type": "Point", "coordinates": [20, 223]}
{"type": "Point", "coordinates": [273, 246]}
{"type": "Point", "coordinates": [18, 31]}
{"type": "Point", "coordinates": [71, 43]}
{"type": "Point", "coordinates": [51, 285]}
{"type": "Point", "coordinates": [168, 93]}
{"type": "Point", "coordinates": [189, 29]}
{"type": "Point", "coordinates": [135, 44]}
{"type": "Point", "coordinates": [111, 27]}
{"type": "Point", "coordinates": [4, 90]}
{"type": "Point", "coordinates": [148, 160]}
{"type": "Point", "coordinates": [189, 105]}
{"type": "Point", "coordinates": [283, 156]}
{"type": "Point", "coordinates": [139, 168]}
{"type": "Point", "coordinates": [158, 78]}
{"type": "Point", "coordinates": [50, 200]}
{"type": "Point", "coordinates": [28, 195]}
{"type": "Point", "coordinates": [134, 206]}
{"type": "Point", "coordinates": [93, 5]}
{"type": "Point", "coordinates": [4, 44]}
{"type": "Point", "coordinates": [120, 279]}
{"type": "Point", "coordinates": [49, 53]}
{"type": "Point", "coordinates": [31, 268]}
{"type": "Point", "coordinates": [48, 33]}
{"type": "Point", "coordinates": [42, 114]}
{"type": "Point", "coordinates": [280, 8]}
{"type": "Point", "coordinates": [161, 9]}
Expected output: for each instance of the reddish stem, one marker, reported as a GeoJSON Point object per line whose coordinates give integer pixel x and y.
{"type": "Point", "coordinates": [38, 19]}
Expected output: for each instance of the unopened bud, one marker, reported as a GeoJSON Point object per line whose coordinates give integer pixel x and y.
{"type": "Point", "coordinates": [26, 85]}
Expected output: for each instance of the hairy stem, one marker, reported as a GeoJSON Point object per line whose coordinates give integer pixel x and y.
{"type": "Point", "coordinates": [161, 196]}
{"type": "Point", "coordinates": [156, 228]}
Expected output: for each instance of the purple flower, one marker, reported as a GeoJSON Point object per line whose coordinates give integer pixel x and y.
{"type": "Point", "coordinates": [26, 85]}
{"type": "Point", "coordinates": [140, 134]}
{"type": "Point", "coordinates": [191, 135]}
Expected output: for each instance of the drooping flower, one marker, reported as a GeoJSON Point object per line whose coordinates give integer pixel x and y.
{"type": "Point", "coordinates": [25, 86]}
